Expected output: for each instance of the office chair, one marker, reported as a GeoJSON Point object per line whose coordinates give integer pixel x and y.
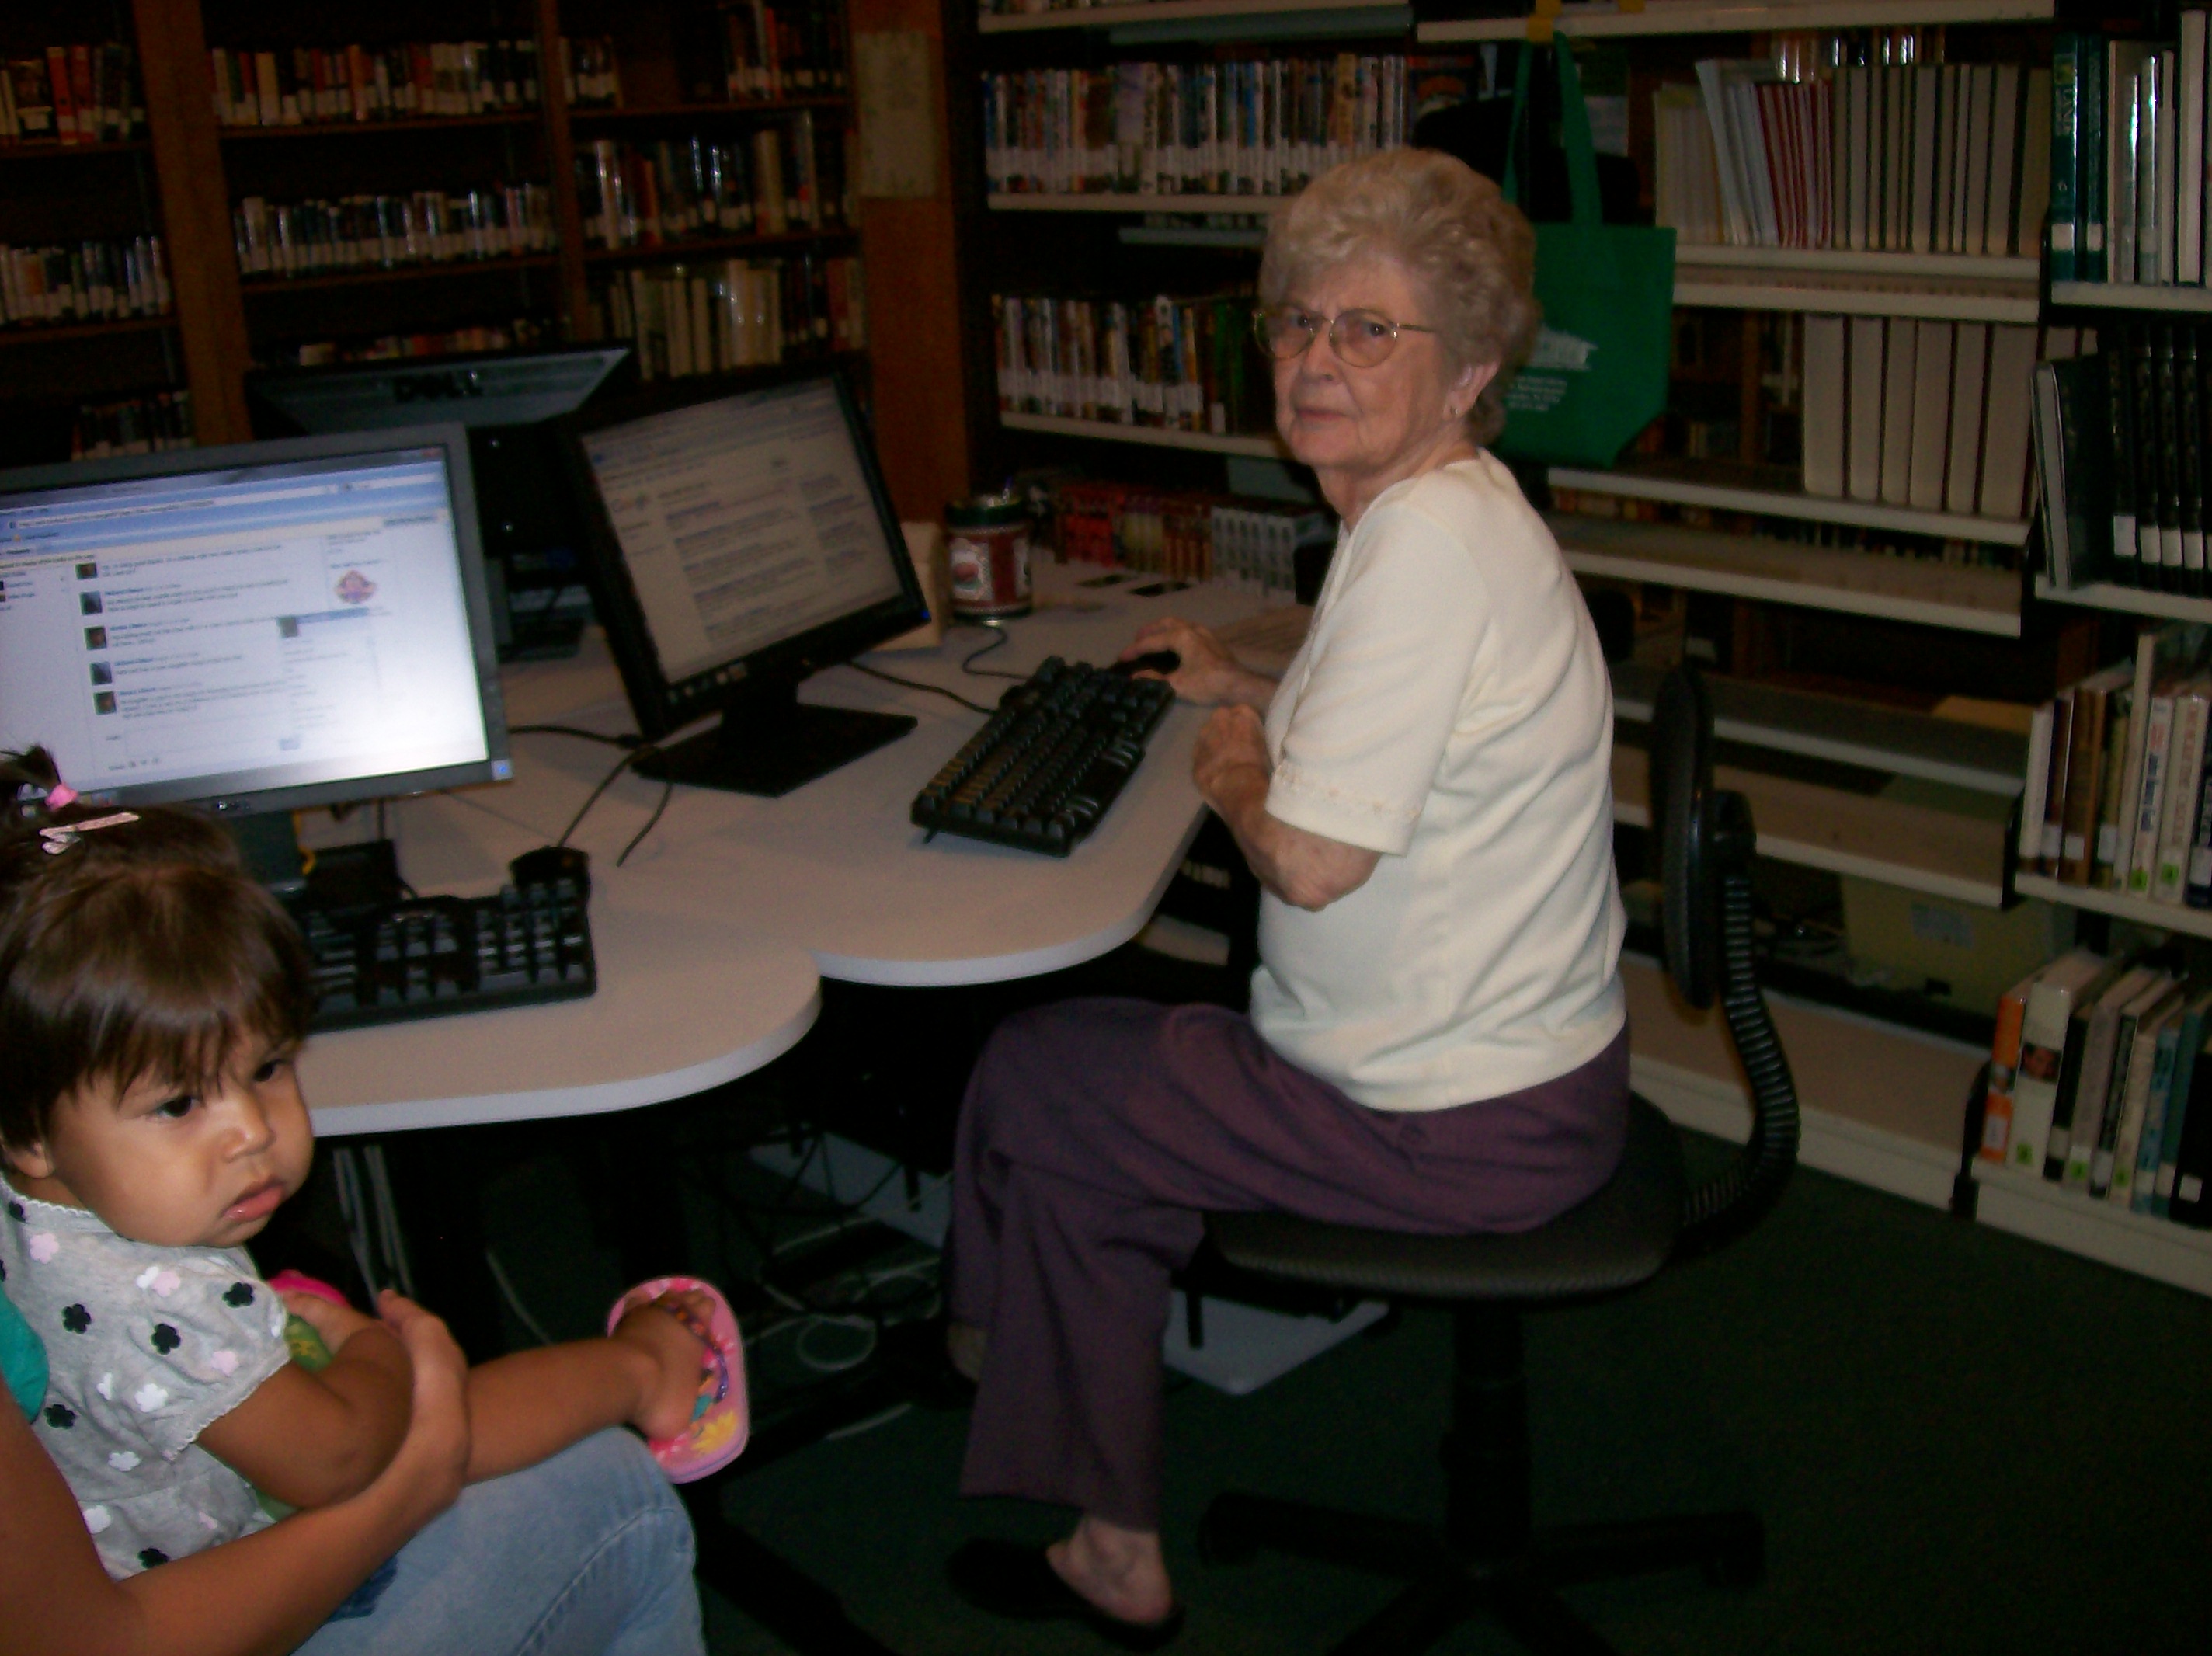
{"type": "Point", "coordinates": [1488, 1555]}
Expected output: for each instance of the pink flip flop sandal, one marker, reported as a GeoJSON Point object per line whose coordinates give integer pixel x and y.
{"type": "Point", "coordinates": [720, 1420]}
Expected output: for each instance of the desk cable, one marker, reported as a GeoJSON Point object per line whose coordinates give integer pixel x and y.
{"type": "Point", "coordinates": [633, 749]}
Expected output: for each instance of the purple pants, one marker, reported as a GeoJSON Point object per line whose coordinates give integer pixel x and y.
{"type": "Point", "coordinates": [1095, 1135]}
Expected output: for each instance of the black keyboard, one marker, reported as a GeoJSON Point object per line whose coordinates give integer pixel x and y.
{"type": "Point", "coordinates": [429, 957]}
{"type": "Point", "coordinates": [1054, 756]}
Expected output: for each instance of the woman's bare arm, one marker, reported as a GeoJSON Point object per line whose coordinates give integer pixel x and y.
{"type": "Point", "coordinates": [262, 1594]}
{"type": "Point", "coordinates": [1306, 870]}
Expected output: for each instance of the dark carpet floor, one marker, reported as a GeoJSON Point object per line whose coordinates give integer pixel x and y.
{"type": "Point", "coordinates": [1959, 1442]}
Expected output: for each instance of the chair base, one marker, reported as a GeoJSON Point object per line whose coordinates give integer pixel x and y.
{"type": "Point", "coordinates": [1444, 1589]}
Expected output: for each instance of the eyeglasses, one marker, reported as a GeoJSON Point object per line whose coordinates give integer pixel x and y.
{"type": "Point", "coordinates": [1361, 337]}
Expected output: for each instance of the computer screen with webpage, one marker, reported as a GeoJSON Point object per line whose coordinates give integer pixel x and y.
{"type": "Point", "coordinates": [744, 523]}
{"type": "Point", "coordinates": [292, 632]}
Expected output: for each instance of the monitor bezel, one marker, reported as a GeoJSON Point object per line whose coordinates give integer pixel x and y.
{"type": "Point", "coordinates": [496, 765]}
{"type": "Point", "coordinates": [664, 706]}
{"type": "Point", "coordinates": [265, 386]}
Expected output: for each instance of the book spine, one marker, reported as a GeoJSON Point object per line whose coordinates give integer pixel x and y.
{"type": "Point", "coordinates": [2119, 407]}
{"type": "Point", "coordinates": [2157, 740]}
{"type": "Point", "coordinates": [2089, 187]}
{"type": "Point", "coordinates": [2054, 808]}
{"type": "Point", "coordinates": [2004, 1074]}
{"type": "Point", "coordinates": [2143, 1184]}
{"type": "Point", "coordinates": [2087, 741]}
{"type": "Point", "coordinates": [2186, 763]}
{"type": "Point", "coordinates": [2035, 1085]}
{"type": "Point", "coordinates": [2031, 800]}
{"type": "Point", "coordinates": [2187, 1061]}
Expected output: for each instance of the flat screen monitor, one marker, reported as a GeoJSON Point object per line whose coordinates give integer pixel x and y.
{"type": "Point", "coordinates": [525, 524]}
{"type": "Point", "coordinates": [506, 390]}
{"type": "Point", "coordinates": [256, 629]}
{"type": "Point", "coordinates": [737, 542]}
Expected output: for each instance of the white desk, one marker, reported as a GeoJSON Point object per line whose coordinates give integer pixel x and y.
{"type": "Point", "coordinates": [710, 940]}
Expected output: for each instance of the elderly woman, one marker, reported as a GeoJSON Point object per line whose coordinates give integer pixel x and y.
{"type": "Point", "coordinates": [1438, 1039]}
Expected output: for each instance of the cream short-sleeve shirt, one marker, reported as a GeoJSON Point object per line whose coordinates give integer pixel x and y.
{"type": "Point", "coordinates": [1450, 709]}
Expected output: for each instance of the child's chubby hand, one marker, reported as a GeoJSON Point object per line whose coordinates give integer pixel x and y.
{"type": "Point", "coordinates": [671, 1358]}
{"type": "Point", "coordinates": [335, 1323]}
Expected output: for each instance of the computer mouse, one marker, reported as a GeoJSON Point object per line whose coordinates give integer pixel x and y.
{"type": "Point", "coordinates": [1152, 661]}
{"type": "Point", "coordinates": [550, 863]}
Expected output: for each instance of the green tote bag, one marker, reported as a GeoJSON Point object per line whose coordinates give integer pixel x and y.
{"type": "Point", "coordinates": [1598, 374]}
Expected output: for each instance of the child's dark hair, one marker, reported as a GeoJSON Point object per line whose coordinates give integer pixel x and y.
{"type": "Point", "coordinates": [138, 950]}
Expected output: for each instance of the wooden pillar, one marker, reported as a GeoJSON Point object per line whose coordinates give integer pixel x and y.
{"type": "Point", "coordinates": [910, 246]}
{"type": "Point", "coordinates": [576, 320]}
{"type": "Point", "coordinates": [210, 311]}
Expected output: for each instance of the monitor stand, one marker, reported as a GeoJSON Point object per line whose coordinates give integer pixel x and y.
{"type": "Point", "coordinates": [770, 742]}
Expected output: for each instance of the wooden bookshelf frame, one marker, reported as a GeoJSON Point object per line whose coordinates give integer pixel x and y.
{"type": "Point", "coordinates": [2159, 298]}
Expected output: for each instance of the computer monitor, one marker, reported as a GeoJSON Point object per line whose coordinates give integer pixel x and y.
{"type": "Point", "coordinates": [736, 544]}
{"type": "Point", "coordinates": [527, 529]}
{"type": "Point", "coordinates": [256, 629]}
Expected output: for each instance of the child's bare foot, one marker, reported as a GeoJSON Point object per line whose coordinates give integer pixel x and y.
{"type": "Point", "coordinates": [672, 1364]}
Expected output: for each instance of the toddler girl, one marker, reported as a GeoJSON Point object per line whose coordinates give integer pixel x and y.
{"type": "Point", "coordinates": [152, 1000]}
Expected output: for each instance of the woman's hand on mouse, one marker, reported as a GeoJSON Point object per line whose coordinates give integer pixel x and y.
{"type": "Point", "coordinates": [1209, 675]}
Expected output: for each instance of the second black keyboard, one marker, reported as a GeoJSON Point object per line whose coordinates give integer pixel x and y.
{"type": "Point", "coordinates": [428, 957]}
{"type": "Point", "coordinates": [1054, 756]}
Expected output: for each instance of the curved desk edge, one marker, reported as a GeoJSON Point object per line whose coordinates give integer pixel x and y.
{"type": "Point", "coordinates": [1004, 968]}
{"type": "Point", "coordinates": [348, 1120]}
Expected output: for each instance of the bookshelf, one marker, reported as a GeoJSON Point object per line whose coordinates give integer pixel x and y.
{"type": "Point", "coordinates": [1923, 592]}
{"type": "Point", "coordinates": [1599, 21]}
{"type": "Point", "coordinates": [1723, 486]}
{"type": "Point", "coordinates": [1842, 731]}
{"type": "Point", "coordinates": [1379, 15]}
{"type": "Point", "coordinates": [1148, 437]}
{"type": "Point", "coordinates": [57, 376]}
{"type": "Point", "coordinates": [2133, 296]}
{"type": "Point", "coordinates": [2138, 910]}
{"type": "Point", "coordinates": [1020, 201]}
{"type": "Point", "coordinates": [2127, 601]}
{"type": "Point", "coordinates": [2028, 1205]}
{"type": "Point", "coordinates": [197, 160]}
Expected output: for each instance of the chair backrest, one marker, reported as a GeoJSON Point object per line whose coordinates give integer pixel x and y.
{"type": "Point", "coordinates": [1706, 843]}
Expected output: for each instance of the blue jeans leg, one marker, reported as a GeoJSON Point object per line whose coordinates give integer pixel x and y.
{"type": "Point", "coordinates": [587, 1554]}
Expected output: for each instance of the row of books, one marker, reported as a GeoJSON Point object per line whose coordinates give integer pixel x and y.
{"type": "Point", "coordinates": [1933, 416]}
{"type": "Point", "coordinates": [1183, 363]}
{"type": "Point", "coordinates": [136, 425]}
{"type": "Point", "coordinates": [746, 49]}
{"type": "Point", "coordinates": [736, 315]}
{"type": "Point", "coordinates": [2116, 794]}
{"type": "Point", "coordinates": [1249, 128]}
{"type": "Point", "coordinates": [83, 282]}
{"type": "Point", "coordinates": [1922, 157]}
{"type": "Point", "coordinates": [80, 94]}
{"type": "Point", "coordinates": [1185, 534]}
{"type": "Point", "coordinates": [2121, 448]}
{"type": "Point", "coordinates": [520, 334]}
{"type": "Point", "coordinates": [305, 86]}
{"type": "Point", "coordinates": [591, 74]}
{"type": "Point", "coordinates": [2098, 1082]}
{"type": "Point", "coordinates": [787, 175]}
{"type": "Point", "coordinates": [384, 232]}
{"type": "Point", "coordinates": [2127, 157]}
